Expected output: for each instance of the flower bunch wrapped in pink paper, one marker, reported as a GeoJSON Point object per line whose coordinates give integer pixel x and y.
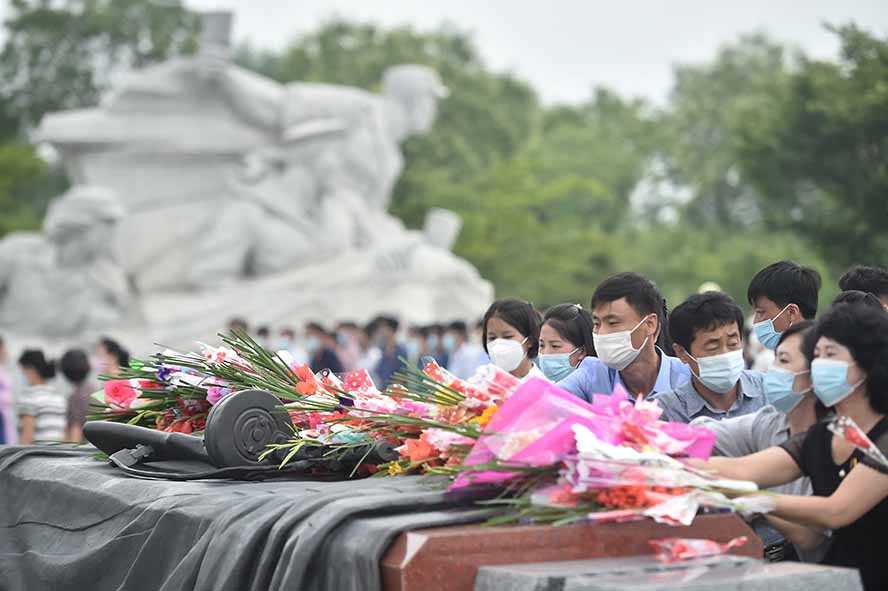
{"type": "Point", "coordinates": [535, 427]}
{"type": "Point", "coordinates": [609, 460]}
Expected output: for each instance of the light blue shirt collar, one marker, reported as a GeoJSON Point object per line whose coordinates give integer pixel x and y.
{"type": "Point", "coordinates": [694, 403]}
{"type": "Point", "coordinates": [664, 376]}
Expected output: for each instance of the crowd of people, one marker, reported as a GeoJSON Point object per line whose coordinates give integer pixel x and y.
{"type": "Point", "coordinates": [697, 362]}
{"type": "Point", "coordinates": [380, 346]}
{"type": "Point", "coordinates": [43, 406]}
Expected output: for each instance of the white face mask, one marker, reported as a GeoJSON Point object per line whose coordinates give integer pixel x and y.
{"type": "Point", "coordinates": [506, 354]}
{"type": "Point", "coordinates": [615, 349]}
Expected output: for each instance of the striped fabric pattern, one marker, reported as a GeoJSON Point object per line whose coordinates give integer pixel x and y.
{"type": "Point", "coordinates": [49, 409]}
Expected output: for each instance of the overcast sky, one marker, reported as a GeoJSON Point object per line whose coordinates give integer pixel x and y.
{"type": "Point", "coordinates": [565, 47]}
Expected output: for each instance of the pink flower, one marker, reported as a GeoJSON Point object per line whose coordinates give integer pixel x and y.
{"type": "Point", "coordinates": [220, 355]}
{"type": "Point", "coordinates": [441, 439]}
{"type": "Point", "coordinates": [120, 394]}
{"type": "Point", "coordinates": [376, 404]}
{"type": "Point", "coordinates": [217, 393]}
{"type": "Point", "coordinates": [413, 407]}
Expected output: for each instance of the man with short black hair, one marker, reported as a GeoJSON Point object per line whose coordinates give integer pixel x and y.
{"type": "Point", "coordinates": [629, 332]}
{"type": "Point", "coordinates": [781, 295]}
{"type": "Point", "coordinates": [386, 338]}
{"type": "Point", "coordinates": [872, 280]}
{"type": "Point", "coordinates": [707, 330]}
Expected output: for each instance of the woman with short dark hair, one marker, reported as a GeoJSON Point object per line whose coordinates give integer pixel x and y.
{"type": "Point", "coordinates": [74, 365]}
{"type": "Point", "coordinates": [565, 340]}
{"type": "Point", "coordinates": [511, 336]}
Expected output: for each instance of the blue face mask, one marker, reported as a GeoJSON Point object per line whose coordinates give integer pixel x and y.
{"type": "Point", "coordinates": [765, 332]}
{"type": "Point", "coordinates": [720, 373]}
{"type": "Point", "coordinates": [412, 346]}
{"type": "Point", "coordinates": [432, 342]}
{"type": "Point", "coordinates": [312, 345]}
{"type": "Point", "coordinates": [448, 342]}
{"type": "Point", "coordinates": [556, 366]}
{"type": "Point", "coordinates": [830, 379]}
{"type": "Point", "coordinates": [778, 384]}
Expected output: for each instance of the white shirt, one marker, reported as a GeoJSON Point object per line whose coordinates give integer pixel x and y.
{"type": "Point", "coordinates": [49, 409]}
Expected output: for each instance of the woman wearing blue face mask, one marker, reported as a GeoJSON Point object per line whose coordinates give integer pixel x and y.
{"type": "Point", "coordinates": [565, 340]}
{"type": "Point", "coordinates": [849, 371]}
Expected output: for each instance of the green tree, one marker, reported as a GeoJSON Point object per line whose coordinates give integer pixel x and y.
{"type": "Point", "coordinates": [821, 159]}
{"type": "Point", "coordinates": [62, 55]}
{"type": "Point", "coordinates": [701, 129]}
{"type": "Point", "coordinates": [19, 165]}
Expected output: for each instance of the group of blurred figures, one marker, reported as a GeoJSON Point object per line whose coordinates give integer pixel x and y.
{"type": "Point", "coordinates": [38, 404]}
{"type": "Point", "coordinates": [381, 346]}
{"type": "Point", "coordinates": [48, 400]}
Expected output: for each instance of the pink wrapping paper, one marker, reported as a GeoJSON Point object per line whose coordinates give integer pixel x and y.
{"type": "Point", "coordinates": [534, 428]}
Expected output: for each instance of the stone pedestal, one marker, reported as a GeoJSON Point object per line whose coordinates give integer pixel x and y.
{"type": "Point", "coordinates": [447, 559]}
{"type": "Point", "coordinates": [644, 573]}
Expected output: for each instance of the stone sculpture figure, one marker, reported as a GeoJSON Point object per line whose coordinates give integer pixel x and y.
{"type": "Point", "coordinates": [246, 196]}
{"type": "Point", "coordinates": [66, 280]}
{"type": "Point", "coordinates": [324, 187]}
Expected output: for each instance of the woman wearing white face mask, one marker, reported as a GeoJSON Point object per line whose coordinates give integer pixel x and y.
{"type": "Point", "coordinates": [511, 333]}
{"type": "Point", "coordinates": [565, 340]}
{"type": "Point", "coordinates": [849, 372]}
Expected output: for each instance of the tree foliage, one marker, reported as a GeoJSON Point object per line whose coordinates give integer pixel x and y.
{"type": "Point", "coordinates": [821, 161]}
{"type": "Point", "coordinates": [63, 55]}
{"type": "Point", "coordinates": [764, 154]}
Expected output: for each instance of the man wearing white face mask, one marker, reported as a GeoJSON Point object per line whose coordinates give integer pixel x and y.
{"type": "Point", "coordinates": [708, 332]}
{"type": "Point", "coordinates": [629, 337]}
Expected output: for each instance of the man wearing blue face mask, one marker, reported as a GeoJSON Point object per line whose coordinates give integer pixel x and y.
{"type": "Point", "coordinates": [781, 295]}
{"type": "Point", "coordinates": [629, 338]}
{"type": "Point", "coordinates": [707, 330]}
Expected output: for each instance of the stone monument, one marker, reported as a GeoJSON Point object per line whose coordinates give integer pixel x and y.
{"type": "Point", "coordinates": [240, 196]}
{"type": "Point", "coordinates": [66, 280]}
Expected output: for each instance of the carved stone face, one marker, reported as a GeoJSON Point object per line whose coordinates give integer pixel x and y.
{"type": "Point", "coordinates": [422, 113]}
{"type": "Point", "coordinates": [81, 224]}
{"type": "Point", "coordinates": [83, 245]}
{"type": "Point", "coordinates": [417, 89]}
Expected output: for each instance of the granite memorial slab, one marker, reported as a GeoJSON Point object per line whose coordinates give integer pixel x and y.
{"type": "Point", "coordinates": [447, 559]}
{"type": "Point", "coordinates": [644, 573]}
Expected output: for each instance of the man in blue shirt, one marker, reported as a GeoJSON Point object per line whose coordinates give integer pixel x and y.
{"type": "Point", "coordinates": [629, 333]}
{"type": "Point", "coordinates": [707, 329]}
{"type": "Point", "coordinates": [386, 338]}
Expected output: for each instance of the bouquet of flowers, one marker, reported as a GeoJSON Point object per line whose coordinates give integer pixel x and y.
{"type": "Point", "coordinates": [430, 415]}
{"type": "Point", "coordinates": [551, 456]}
{"type": "Point", "coordinates": [561, 459]}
